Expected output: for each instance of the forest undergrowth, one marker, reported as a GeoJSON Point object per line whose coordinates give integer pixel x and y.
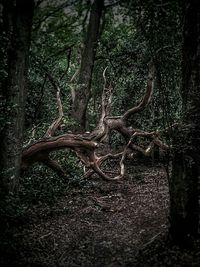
{"type": "Point", "coordinates": [100, 223]}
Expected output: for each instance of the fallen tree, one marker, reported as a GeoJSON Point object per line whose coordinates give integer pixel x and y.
{"type": "Point", "coordinates": [86, 145]}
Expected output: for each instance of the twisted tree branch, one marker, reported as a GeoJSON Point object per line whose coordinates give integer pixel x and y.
{"type": "Point", "coordinates": [85, 145]}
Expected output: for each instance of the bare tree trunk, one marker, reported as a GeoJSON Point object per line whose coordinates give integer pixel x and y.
{"type": "Point", "coordinates": [19, 14]}
{"type": "Point", "coordinates": [185, 180]}
{"type": "Point", "coordinates": [82, 92]}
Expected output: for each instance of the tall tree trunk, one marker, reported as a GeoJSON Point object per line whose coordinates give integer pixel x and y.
{"type": "Point", "coordinates": [82, 92]}
{"type": "Point", "coordinates": [17, 24]}
{"type": "Point", "coordinates": [185, 180]}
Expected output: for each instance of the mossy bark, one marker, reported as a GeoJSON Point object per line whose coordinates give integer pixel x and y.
{"type": "Point", "coordinates": [17, 26]}
{"type": "Point", "coordinates": [185, 179]}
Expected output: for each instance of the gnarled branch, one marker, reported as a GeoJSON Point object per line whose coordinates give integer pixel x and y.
{"type": "Point", "coordinates": [85, 145]}
{"type": "Point", "coordinates": [54, 126]}
{"type": "Point", "coordinates": [147, 97]}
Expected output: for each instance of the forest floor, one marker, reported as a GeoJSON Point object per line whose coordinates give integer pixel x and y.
{"type": "Point", "coordinates": [110, 224]}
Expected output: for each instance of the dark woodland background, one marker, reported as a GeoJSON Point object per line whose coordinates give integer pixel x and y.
{"type": "Point", "coordinates": [99, 130]}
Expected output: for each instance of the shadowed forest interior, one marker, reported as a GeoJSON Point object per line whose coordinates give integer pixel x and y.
{"type": "Point", "coordinates": [99, 130]}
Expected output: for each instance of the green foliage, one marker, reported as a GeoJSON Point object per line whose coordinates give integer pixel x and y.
{"type": "Point", "coordinates": [40, 184]}
{"type": "Point", "coordinates": [132, 35]}
{"type": "Point", "coordinates": [55, 50]}
{"type": "Point", "coordinates": [127, 45]}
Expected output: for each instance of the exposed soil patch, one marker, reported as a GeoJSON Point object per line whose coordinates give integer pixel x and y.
{"type": "Point", "coordinates": [107, 225]}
